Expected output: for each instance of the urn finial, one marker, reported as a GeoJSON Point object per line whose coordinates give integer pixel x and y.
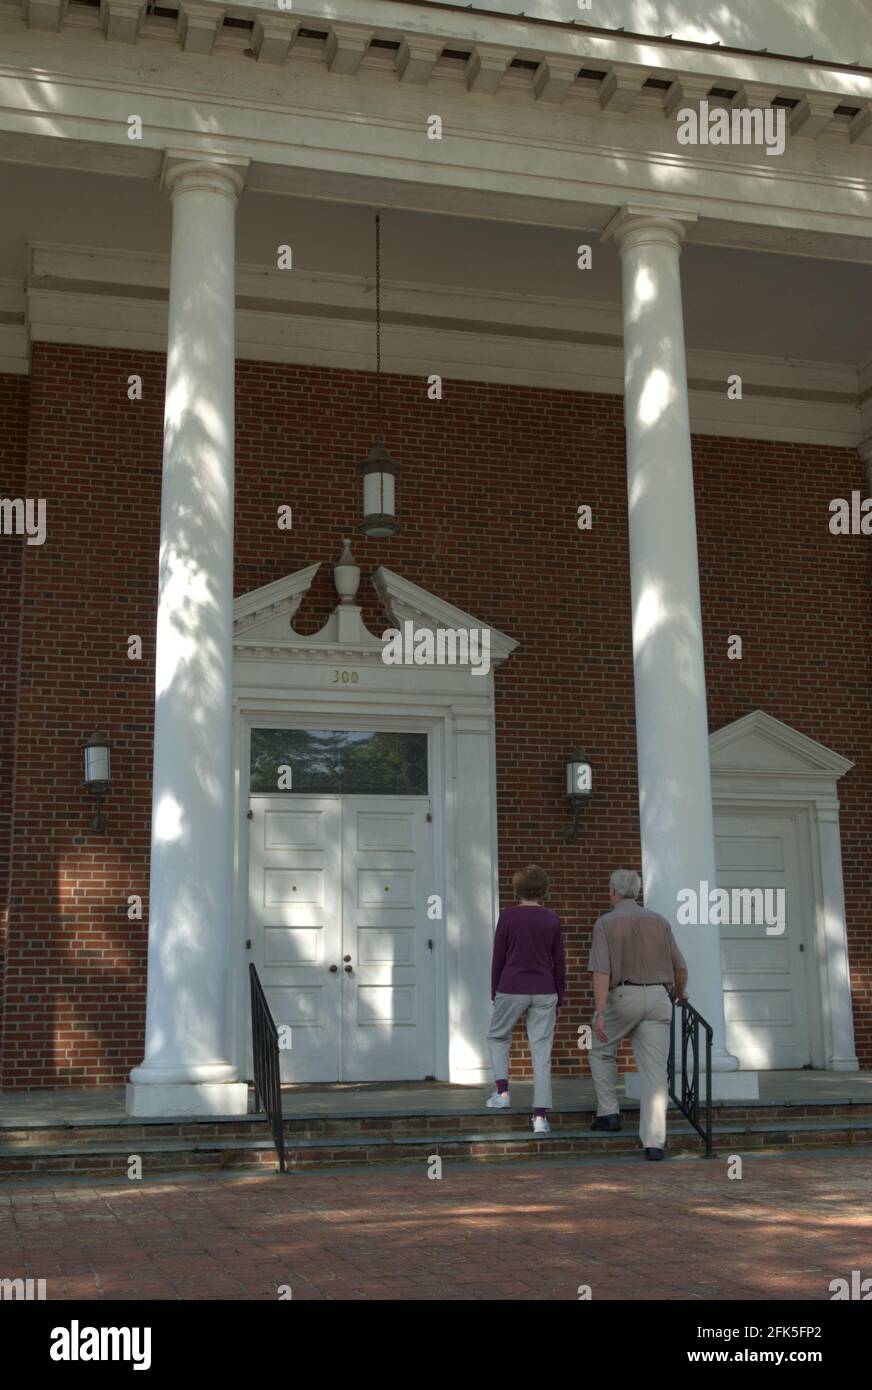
{"type": "Point", "coordinates": [346, 573]}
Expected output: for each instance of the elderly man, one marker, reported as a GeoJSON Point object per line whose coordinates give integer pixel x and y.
{"type": "Point", "coordinates": [636, 967]}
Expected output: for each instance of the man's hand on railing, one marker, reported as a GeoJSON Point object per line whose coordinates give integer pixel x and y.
{"type": "Point", "coordinates": [679, 986]}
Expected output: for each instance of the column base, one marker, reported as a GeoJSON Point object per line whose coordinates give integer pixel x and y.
{"type": "Point", "coordinates": [147, 1100]}
{"type": "Point", "coordinates": [471, 1076]}
{"type": "Point", "coordinates": [726, 1085]}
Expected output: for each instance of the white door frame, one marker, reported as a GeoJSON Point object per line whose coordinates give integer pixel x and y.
{"type": "Point", "coordinates": [292, 713]}
{"type": "Point", "coordinates": [800, 914]}
{"type": "Point", "coordinates": [759, 764]}
{"type": "Point", "coordinates": [284, 679]}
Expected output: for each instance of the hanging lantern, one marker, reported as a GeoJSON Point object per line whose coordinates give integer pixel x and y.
{"type": "Point", "coordinates": [378, 469]}
{"type": "Point", "coordinates": [379, 472]}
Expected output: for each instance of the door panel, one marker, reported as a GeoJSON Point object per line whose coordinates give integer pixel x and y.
{"type": "Point", "coordinates": [295, 925]}
{"type": "Point", "coordinates": [388, 992]}
{"type": "Point", "coordinates": [336, 876]}
{"type": "Point", "coordinates": [765, 977]}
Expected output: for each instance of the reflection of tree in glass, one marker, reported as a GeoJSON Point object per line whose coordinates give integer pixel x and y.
{"type": "Point", "coordinates": [310, 754]}
{"type": "Point", "coordinates": [332, 760]}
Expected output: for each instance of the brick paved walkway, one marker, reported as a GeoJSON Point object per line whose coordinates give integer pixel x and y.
{"type": "Point", "coordinates": [631, 1230]}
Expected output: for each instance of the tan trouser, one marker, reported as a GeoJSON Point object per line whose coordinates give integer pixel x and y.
{"type": "Point", "coordinates": [641, 1013]}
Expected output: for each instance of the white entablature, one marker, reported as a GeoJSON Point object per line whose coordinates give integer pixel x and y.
{"type": "Point", "coordinates": [550, 124]}
{"type": "Point", "coordinates": [418, 42]}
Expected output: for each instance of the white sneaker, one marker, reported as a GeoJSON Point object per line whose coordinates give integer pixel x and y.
{"type": "Point", "coordinates": [541, 1125]}
{"type": "Point", "coordinates": [498, 1102]}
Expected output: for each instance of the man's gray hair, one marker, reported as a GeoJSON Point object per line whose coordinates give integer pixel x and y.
{"type": "Point", "coordinates": [626, 883]}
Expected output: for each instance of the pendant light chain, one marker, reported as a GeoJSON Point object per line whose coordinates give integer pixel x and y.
{"type": "Point", "coordinates": [378, 395]}
{"type": "Point", "coordinates": [379, 470]}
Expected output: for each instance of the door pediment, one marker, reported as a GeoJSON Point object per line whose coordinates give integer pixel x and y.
{"type": "Point", "coordinates": [405, 602]}
{"type": "Point", "coordinates": [263, 619]}
{"type": "Point", "coordinates": [762, 747]}
{"type": "Point", "coordinates": [266, 615]}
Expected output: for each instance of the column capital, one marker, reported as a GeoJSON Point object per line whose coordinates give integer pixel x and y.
{"type": "Point", "coordinates": [635, 223]}
{"type": "Point", "coordinates": [184, 170]}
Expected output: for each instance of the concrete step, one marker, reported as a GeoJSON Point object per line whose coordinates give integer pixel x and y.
{"type": "Point", "coordinates": [74, 1151]}
{"type": "Point", "coordinates": [302, 1126]}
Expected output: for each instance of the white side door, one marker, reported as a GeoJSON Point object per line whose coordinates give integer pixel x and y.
{"type": "Point", "coordinates": [294, 925]}
{"type": "Point", "coordinates": [765, 975]}
{"type": "Point", "coordinates": [387, 948]}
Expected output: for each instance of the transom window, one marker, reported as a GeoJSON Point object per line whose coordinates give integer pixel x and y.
{"type": "Point", "coordinates": [363, 762]}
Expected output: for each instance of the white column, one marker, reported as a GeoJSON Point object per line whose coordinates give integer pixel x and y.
{"type": "Point", "coordinates": [186, 1068]}
{"type": "Point", "coordinates": [675, 796]}
{"type": "Point", "coordinates": [473, 893]}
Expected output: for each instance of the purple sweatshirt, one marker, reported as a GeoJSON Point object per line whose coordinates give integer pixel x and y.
{"type": "Point", "coordinates": [528, 953]}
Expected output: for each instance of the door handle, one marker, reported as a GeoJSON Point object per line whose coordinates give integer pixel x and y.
{"type": "Point", "coordinates": [348, 970]}
{"type": "Point", "coordinates": [346, 958]}
{"type": "Point", "coordinates": [333, 969]}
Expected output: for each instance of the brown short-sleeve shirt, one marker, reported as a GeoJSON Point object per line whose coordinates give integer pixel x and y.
{"type": "Point", "coordinates": [633, 943]}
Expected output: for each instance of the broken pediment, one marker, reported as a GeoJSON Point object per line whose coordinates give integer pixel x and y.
{"type": "Point", "coordinates": [405, 602]}
{"type": "Point", "coordinates": [263, 619]}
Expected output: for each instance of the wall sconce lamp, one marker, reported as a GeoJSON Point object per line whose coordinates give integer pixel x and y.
{"type": "Point", "coordinates": [579, 789]}
{"type": "Point", "coordinates": [97, 776]}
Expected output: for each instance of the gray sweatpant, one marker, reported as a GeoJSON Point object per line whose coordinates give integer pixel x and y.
{"type": "Point", "coordinates": [541, 1017]}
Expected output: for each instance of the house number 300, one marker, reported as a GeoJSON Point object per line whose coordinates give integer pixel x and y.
{"type": "Point", "coordinates": [346, 677]}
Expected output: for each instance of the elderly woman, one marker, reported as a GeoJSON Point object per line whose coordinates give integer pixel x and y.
{"type": "Point", "coordinates": [528, 975]}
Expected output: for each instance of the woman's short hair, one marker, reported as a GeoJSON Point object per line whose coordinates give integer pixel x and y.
{"type": "Point", "coordinates": [531, 883]}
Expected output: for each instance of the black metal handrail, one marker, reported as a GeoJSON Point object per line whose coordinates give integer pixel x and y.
{"type": "Point", "coordinates": [688, 1101]}
{"type": "Point", "coordinates": [267, 1072]}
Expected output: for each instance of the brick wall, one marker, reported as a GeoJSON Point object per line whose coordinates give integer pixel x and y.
{"type": "Point", "coordinates": [14, 393]}
{"type": "Point", "coordinates": [75, 964]}
{"type": "Point", "coordinates": [492, 478]}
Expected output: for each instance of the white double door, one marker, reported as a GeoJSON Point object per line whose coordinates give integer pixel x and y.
{"type": "Point", "coordinates": [766, 974]}
{"type": "Point", "coordinates": [339, 931]}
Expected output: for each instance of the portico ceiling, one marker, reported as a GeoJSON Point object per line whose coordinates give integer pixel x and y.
{"type": "Point", "coordinates": [782, 306]}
